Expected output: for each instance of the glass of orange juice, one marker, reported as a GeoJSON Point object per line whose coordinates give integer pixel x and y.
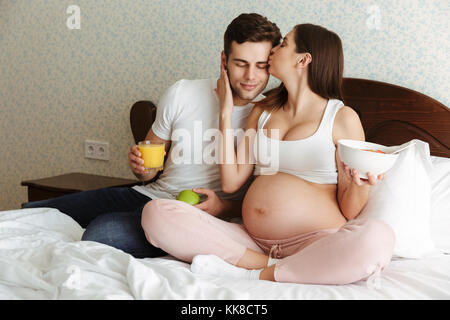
{"type": "Point", "coordinates": [153, 154]}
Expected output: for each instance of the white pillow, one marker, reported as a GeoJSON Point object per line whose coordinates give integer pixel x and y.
{"type": "Point", "coordinates": [403, 201]}
{"type": "Point", "coordinates": [440, 203]}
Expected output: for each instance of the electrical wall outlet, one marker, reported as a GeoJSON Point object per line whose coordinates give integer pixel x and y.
{"type": "Point", "coordinates": [96, 150]}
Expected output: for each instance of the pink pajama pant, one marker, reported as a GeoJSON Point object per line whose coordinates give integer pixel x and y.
{"type": "Point", "coordinates": [332, 256]}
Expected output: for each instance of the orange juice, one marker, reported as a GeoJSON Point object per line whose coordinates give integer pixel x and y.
{"type": "Point", "coordinates": [152, 154]}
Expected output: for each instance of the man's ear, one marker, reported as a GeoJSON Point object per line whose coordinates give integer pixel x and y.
{"type": "Point", "coordinates": [223, 59]}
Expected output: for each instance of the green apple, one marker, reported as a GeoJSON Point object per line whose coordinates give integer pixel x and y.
{"type": "Point", "coordinates": [189, 197]}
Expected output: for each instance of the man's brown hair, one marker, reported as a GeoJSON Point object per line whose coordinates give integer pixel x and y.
{"type": "Point", "coordinates": [250, 27]}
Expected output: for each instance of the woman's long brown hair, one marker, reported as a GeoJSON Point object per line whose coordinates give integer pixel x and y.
{"type": "Point", "coordinates": [325, 71]}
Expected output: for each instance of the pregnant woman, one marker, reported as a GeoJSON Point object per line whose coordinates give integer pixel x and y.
{"type": "Point", "coordinates": [298, 214]}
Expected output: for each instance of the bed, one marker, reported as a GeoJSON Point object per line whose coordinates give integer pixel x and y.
{"type": "Point", "coordinates": [42, 257]}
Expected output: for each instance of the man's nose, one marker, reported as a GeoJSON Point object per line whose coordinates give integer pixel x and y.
{"type": "Point", "coordinates": [250, 74]}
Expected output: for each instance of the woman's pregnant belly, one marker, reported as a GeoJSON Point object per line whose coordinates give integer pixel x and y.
{"type": "Point", "coordinates": [281, 206]}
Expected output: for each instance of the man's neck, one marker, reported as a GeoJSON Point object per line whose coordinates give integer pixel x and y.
{"type": "Point", "coordinates": [239, 102]}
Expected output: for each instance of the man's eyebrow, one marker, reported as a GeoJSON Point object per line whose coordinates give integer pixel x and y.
{"type": "Point", "coordinates": [240, 60]}
{"type": "Point", "coordinates": [245, 61]}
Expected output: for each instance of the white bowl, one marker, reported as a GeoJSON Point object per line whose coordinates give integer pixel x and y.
{"type": "Point", "coordinates": [352, 154]}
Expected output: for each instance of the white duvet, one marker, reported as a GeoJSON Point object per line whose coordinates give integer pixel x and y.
{"type": "Point", "coordinates": [42, 257]}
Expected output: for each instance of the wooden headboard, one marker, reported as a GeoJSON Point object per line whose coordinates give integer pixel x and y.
{"type": "Point", "coordinates": [392, 115]}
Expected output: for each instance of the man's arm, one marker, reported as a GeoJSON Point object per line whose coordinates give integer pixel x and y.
{"type": "Point", "coordinates": [217, 207]}
{"type": "Point", "coordinates": [161, 129]}
{"type": "Point", "coordinates": [136, 162]}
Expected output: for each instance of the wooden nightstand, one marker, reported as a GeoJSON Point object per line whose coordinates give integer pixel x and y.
{"type": "Point", "coordinates": [56, 186]}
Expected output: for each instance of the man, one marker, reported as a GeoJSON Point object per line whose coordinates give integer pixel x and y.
{"type": "Point", "coordinates": [186, 121]}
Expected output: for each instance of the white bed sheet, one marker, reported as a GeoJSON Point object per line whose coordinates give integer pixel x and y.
{"type": "Point", "coordinates": [41, 257]}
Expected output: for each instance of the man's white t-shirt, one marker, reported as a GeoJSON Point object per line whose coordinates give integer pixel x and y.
{"type": "Point", "coordinates": [188, 114]}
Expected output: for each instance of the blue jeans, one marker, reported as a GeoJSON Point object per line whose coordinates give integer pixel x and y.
{"type": "Point", "coordinates": [111, 216]}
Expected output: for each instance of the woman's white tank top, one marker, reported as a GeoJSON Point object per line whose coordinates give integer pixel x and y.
{"type": "Point", "coordinates": [312, 158]}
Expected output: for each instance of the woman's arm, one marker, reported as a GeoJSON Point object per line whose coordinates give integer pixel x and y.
{"type": "Point", "coordinates": [352, 192]}
{"type": "Point", "coordinates": [235, 167]}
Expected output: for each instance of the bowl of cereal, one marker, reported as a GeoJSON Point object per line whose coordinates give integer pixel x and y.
{"type": "Point", "coordinates": [367, 156]}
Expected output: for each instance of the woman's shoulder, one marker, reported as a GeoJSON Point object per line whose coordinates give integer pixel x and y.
{"type": "Point", "coordinates": [346, 116]}
{"type": "Point", "coordinates": [347, 124]}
